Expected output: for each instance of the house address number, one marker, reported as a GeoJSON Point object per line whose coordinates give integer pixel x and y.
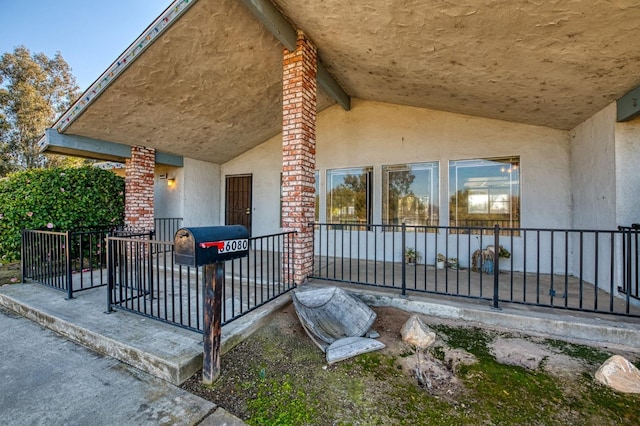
{"type": "Point", "coordinates": [228, 246]}
{"type": "Point", "coordinates": [233, 246]}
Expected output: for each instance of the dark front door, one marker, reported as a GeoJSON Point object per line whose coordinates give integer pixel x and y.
{"type": "Point", "coordinates": [238, 201]}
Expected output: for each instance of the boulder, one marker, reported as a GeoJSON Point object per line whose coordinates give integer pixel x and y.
{"type": "Point", "coordinates": [619, 374]}
{"type": "Point", "coordinates": [417, 333]}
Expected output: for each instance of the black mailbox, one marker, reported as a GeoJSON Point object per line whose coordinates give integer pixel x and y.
{"type": "Point", "coordinates": [210, 244]}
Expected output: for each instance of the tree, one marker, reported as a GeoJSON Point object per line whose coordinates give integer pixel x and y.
{"type": "Point", "coordinates": [34, 90]}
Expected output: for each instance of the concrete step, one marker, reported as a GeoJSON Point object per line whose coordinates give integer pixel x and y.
{"type": "Point", "coordinates": [162, 350]}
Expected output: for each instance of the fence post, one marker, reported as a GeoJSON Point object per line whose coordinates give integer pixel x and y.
{"type": "Point", "coordinates": [110, 272]}
{"type": "Point", "coordinates": [149, 282]}
{"type": "Point", "coordinates": [404, 259]}
{"type": "Point", "coordinates": [67, 255]}
{"type": "Point", "coordinates": [496, 269]}
{"type": "Point", "coordinates": [23, 254]}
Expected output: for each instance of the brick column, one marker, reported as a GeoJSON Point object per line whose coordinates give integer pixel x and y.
{"type": "Point", "coordinates": [299, 152]}
{"type": "Point", "coordinates": [138, 183]}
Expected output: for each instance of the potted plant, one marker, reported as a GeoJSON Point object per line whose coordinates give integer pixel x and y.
{"type": "Point", "coordinates": [452, 262]}
{"type": "Point", "coordinates": [411, 255]}
{"type": "Point", "coordinates": [503, 253]}
{"type": "Point", "coordinates": [440, 261]}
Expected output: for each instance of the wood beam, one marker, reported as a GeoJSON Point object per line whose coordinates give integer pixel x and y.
{"type": "Point", "coordinates": [629, 105]}
{"type": "Point", "coordinates": [280, 27]}
{"type": "Point", "coordinates": [81, 146]}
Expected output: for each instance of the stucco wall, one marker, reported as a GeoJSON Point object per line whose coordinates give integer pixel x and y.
{"type": "Point", "coordinates": [168, 199]}
{"type": "Point", "coordinates": [627, 175]}
{"type": "Point", "coordinates": [593, 171]}
{"type": "Point", "coordinates": [377, 134]}
{"type": "Point", "coordinates": [201, 193]}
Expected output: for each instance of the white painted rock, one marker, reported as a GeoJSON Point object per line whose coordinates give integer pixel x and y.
{"type": "Point", "coordinates": [618, 373]}
{"type": "Point", "coordinates": [417, 333]}
{"type": "Point", "coordinates": [348, 347]}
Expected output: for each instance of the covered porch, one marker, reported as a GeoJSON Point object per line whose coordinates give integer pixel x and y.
{"type": "Point", "coordinates": [289, 92]}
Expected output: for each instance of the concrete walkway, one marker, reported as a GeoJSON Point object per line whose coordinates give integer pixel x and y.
{"type": "Point", "coordinates": [46, 379]}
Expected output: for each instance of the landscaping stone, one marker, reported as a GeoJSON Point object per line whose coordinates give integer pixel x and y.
{"type": "Point", "coordinates": [619, 374]}
{"type": "Point", "coordinates": [417, 333]}
{"type": "Point", "coordinates": [349, 347]}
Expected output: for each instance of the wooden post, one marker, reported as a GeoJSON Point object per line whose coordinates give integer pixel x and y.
{"type": "Point", "coordinates": [214, 282]}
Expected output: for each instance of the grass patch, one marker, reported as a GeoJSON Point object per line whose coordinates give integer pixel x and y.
{"type": "Point", "coordinates": [506, 394]}
{"type": "Point", "coordinates": [591, 355]}
{"type": "Point", "coordinates": [279, 376]}
{"type": "Point", "coordinates": [280, 401]}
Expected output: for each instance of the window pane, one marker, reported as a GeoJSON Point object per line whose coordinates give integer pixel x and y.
{"type": "Point", "coordinates": [410, 194]}
{"type": "Point", "coordinates": [485, 192]}
{"type": "Point", "coordinates": [349, 195]}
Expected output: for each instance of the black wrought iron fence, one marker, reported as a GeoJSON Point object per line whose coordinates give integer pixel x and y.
{"type": "Point", "coordinates": [69, 261]}
{"type": "Point", "coordinates": [586, 270]}
{"type": "Point", "coordinates": [144, 279]}
{"type": "Point", "coordinates": [166, 227]}
{"type": "Point", "coordinates": [631, 256]}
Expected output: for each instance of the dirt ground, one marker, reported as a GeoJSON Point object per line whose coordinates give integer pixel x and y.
{"type": "Point", "coordinates": [267, 374]}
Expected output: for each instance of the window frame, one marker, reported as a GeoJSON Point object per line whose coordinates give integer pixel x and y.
{"type": "Point", "coordinates": [365, 170]}
{"type": "Point", "coordinates": [511, 166]}
{"type": "Point", "coordinates": [433, 192]}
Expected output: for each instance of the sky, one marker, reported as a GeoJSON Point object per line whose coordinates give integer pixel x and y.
{"type": "Point", "coordinates": [89, 34]}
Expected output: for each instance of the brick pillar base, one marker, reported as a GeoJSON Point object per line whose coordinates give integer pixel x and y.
{"type": "Point", "coordinates": [298, 154]}
{"type": "Point", "coordinates": [138, 182]}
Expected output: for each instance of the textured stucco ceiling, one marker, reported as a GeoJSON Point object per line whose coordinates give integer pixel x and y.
{"type": "Point", "coordinates": [546, 62]}
{"type": "Point", "coordinates": [210, 87]}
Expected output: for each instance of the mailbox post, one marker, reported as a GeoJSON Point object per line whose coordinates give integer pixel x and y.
{"type": "Point", "coordinates": [210, 247]}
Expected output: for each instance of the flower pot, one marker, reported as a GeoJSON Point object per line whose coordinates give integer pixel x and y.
{"type": "Point", "coordinates": [440, 265]}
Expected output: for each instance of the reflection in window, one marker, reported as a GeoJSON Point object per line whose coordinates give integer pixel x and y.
{"type": "Point", "coordinates": [410, 194]}
{"type": "Point", "coordinates": [349, 195]}
{"type": "Point", "coordinates": [483, 193]}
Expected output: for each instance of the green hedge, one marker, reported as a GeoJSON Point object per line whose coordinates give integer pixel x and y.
{"type": "Point", "coordinates": [59, 199]}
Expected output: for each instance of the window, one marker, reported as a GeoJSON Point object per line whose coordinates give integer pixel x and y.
{"type": "Point", "coordinates": [410, 194]}
{"type": "Point", "coordinates": [485, 192]}
{"type": "Point", "coordinates": [349, 195]}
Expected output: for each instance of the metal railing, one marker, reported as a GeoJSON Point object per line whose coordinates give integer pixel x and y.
{"type": "Point", "coordinates": [166, 227]}
{"type": "Point", "coordinates": [79, 257]}
{"type": "Point", "coordinates": [144, 279]}
{"type": "Point", "coordinates": [631, 256]}
{"type": "Point", "coordinates": [69, 261]}
{"type": "Point", "coordinates": [585, 270]}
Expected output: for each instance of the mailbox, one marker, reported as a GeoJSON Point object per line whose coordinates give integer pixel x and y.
{"type": "Point", "coordinates": [210, 244]}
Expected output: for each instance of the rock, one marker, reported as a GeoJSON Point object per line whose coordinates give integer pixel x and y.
{"type": "Point", "coordinates": [619, 374]}
{"type": "Point", "coordinates": [454, 358]}
{"type": "Point", "coordinates": [372, 334]}
{"type": "Point", "coordinates": [348, 347]}
{"type": "Point", "coordinates": [417, 333]}
{"type": "Point", "coordinates": [330, 313]}
{"type": "Point", "coordinates": [519, 352]}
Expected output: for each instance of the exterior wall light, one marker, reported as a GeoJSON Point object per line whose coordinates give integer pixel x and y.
{"type": "Point", "coordinates": [171, 181]}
